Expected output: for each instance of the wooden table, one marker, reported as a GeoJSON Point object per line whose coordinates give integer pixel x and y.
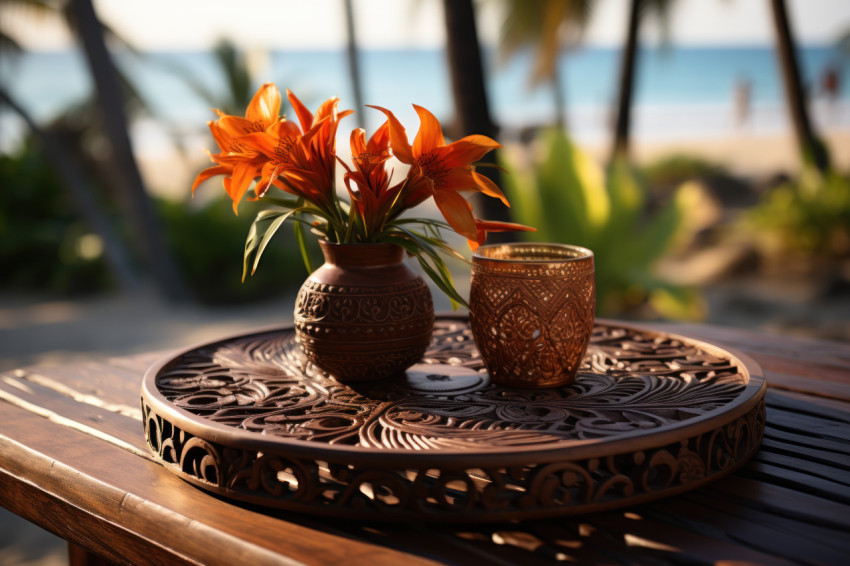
{"type": "Point", "coordinates": [73, 460]}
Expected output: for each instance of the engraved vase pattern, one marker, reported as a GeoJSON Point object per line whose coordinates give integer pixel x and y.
{"type": "Point", "coordinates": [364, 314]}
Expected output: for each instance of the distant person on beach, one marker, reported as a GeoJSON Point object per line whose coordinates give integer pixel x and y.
{"type": "Point", "coordinates": [831, 83]}
{"type": "Point", "coordinates": [741, 101]}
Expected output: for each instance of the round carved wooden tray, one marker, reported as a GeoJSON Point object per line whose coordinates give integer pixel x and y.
{"type": "Point", "coordinates": [650, 415]}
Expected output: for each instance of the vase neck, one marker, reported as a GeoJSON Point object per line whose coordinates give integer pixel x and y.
{"type": "Point", "coordinates": [361, 255]}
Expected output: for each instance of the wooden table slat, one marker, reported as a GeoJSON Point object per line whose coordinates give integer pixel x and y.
{"type": "Point", "coordinates": [833, 474]}
{"type": "Point", "coordinates": [73, 463]}
{"type": "Point", "coordinates": [801, 507]}
{"type": "Point", "coordinates": [766, 531]}
{"type": "Point", "coordinates": [800, 481]}
{"type": "Point", "coordinates": [795, 437]}
{"type": "Point", "coordinates": [827, 409]}
{"type": "Point", "coordinates": [680, 526]}
{"type": "Point", "coordinates": [809, 453]}
{"type": "Point", "coordinates": [102, 421]}
{"type": "Point", "coordinates": [821, 428]}
{"type": "Point", "coordinates": [110, 485]}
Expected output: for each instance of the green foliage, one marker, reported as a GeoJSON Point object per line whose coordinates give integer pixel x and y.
{"type": "Point", "coordinates": [571, 200]}
{"type": "Point", "coordinates": [207, 243]}
{"type": "Point", "coordinates": [809, 217]}
{"type": "Point", "coordinates": [426, 244]}
{"type": "Point", "coordinates": [43, 244]}
{"type": "Point", "coordinates": [673, 170]}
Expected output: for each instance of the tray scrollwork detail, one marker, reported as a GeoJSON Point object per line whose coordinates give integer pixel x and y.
{"type": "Point", "coordinates": [649, 415]}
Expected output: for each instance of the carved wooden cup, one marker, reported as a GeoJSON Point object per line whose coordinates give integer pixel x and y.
{"type": "Point", "coordinates": [531, 309]}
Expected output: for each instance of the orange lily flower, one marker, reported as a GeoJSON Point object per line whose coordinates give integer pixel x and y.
{"type": "Point", "coordinates": [262, 112]}
{"type": "Point", "coordinates": [263, 145]}
{"type": "Point", "coordinates": [317, 160]}
{"type": "Point", "coordinates": [375, 200]}
{"type": "Point", "coordinates": [300, 161]}
{"type": "Point", "coordinates": [238, 162]}
{"type": "Point", "coordinates": [441, 170]}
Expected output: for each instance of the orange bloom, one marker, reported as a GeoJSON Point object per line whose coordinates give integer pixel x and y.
{"type": "Point", "coordinates": [300, 161]}
{"type": "Point", "coordinates": [263, 145]}
{"type": "Point", "coordinates": [262, 112]}
{"type": "Point", "coordinates": [441, 170]}
{"type": "Point", "coordinates": [236, 161]}
{"type": "Point", "coordinates": [369, 183]}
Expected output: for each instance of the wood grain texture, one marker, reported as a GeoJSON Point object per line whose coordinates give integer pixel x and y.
{"type": "Point", "coordinates": [72, 460]}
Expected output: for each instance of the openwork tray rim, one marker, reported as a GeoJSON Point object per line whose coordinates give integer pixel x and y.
{"type": "Point", "coordinates": [751, 395]}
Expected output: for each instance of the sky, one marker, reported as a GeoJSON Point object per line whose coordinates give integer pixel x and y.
{"type": "Point", "coordinates": [320, 24]}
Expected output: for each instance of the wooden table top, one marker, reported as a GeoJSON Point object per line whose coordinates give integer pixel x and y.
{"type": "Point", "coordinates": [73, 460]}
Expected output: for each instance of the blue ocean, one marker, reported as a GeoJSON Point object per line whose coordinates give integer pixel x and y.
{"type": "Point", "coordinates": [681, 91]}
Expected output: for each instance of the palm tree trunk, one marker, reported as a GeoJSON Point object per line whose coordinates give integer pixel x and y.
{"type": "Point", "coordinates": [137, 205]}
{"type": "Point", "coordinates": [82, 196]}
{"type": "Point", "coordinates": [354, 62]}
{"type": "Point", "coordinates": [628, 63]}
{"type": "Point", "coordinates": [810, 145]}
{"type": "Point", "coordinates": [472, 111]}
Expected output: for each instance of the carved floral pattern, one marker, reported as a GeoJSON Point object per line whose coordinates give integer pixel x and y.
{"type": "Point", "coordinates": [631, 383]}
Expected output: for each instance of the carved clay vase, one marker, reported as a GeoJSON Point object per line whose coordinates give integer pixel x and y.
{"type": "Point", "coordinates": [364, 314]}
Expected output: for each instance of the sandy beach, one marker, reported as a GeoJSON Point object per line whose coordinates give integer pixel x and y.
{"type": "Point", "coordinates": [751, 155]}
{"type": "Point", "coordinates": [745, 154]}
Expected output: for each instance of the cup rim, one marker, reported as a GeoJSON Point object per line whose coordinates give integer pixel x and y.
{"type": "Point", "coordinates": [585, 253]}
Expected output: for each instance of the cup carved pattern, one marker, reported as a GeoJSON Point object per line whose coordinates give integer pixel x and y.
{"type": "Point", "coordinates": [629, 382]}
{"type": "Point", "coordinates": [538, 320]}
{"type": "Point", "coordinates": [532, 310]}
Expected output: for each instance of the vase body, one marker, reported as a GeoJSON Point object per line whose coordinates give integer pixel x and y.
{"type": "Point", "coordinates": [364, 314]}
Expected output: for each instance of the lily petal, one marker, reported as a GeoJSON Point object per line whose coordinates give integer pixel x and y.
{"type": "Point", "coordinates": [398, 138]}
{"type": "Point", "coordinates": [209, 172]}
{"type": "Point", "coordinates": [304, 115]}
{"type": "Point", "coordinates": [468, 150]}
{"type": "Point", "coordinates": [485, 226]}
{"type": "Point", "coordinates": [265, 106]}
{"type": "Point", "coordinates": [358, 141]}
{"type": "Point", "coordinates": [457, 213]}
{"type": "Point", "coordinates": [430, 134]}
{"type": "Point", "coordinates": [243, 175]}
{"type": "Point", "coordinates": [490, 188]}
{"type": "Point", "coordinates": [268, 174]}
{"type": "Point", "coordinates": [236, 126]}
{"type": "Point", "coordinates": [380, 140]}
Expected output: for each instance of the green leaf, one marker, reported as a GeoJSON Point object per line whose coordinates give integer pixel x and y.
{"type": "Point", "coordinates": [570, 199]}
{"type": "Point", "coordinates": [267, 236]}
{"type": "Point", "coordinates": [446, 286]}
{"type": "Point", "coordinates": [279, 201]}
{"type": "Point", "coordinates": [254, 236]}
{"type": "Point", "coordinates": [439, 273]}
{"type": "Point", "coordinates": [302, 245]}
{"type": "Point", "coordinates": [679, 303]}
{"type": "Point", "coordinates": [265, 225]}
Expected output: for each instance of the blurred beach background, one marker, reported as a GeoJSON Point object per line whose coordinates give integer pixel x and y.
{"type": "Point", "coordinates": [685, 95]}
{"type": "Point", "coordinates": [760, 238]}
